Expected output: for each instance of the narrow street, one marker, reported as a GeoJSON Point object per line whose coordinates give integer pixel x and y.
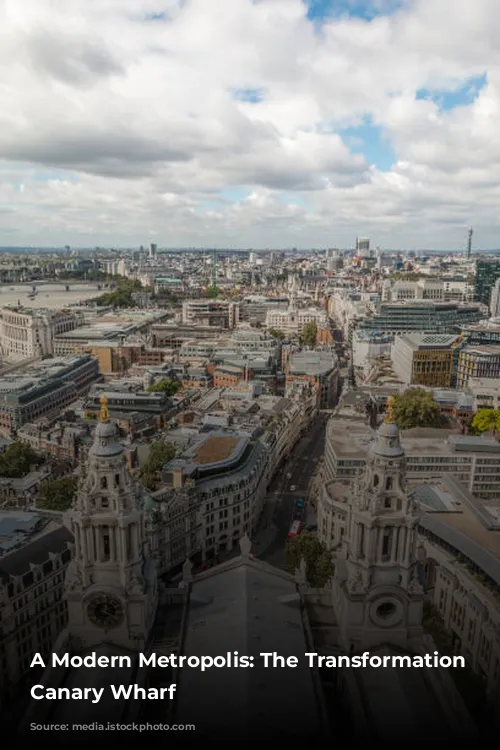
{"type": "Point", "coordinates": [301, 465]}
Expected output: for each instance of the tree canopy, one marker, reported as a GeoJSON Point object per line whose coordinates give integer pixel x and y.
{"type": "Point", "coordinates": [485, 420]}
{"type": "Point", "coordinates": [17, 460]}
{"type": "Point", "coordinates": [57, 494]}
{"type": "Point", "coordinates": [122, 295]}
{"type": "Point", "coordinates": [309, 334]}
{"type": "Point", "coordinates": [416, 408]}
{"type": "Point", "coordinates": [160, 454]}
{"type": "Point", "coordinates": [318, 559]}
{"type": "Point", "coordinates": [276, 334]}
{"type": "Point", "coordinates": [170, 387]}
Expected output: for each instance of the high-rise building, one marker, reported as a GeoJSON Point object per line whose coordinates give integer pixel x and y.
{"type": "Point", "coordinates": [152, 250]}
{"type": "Point", "coordinates": [362, 245]}
{"type": "Point", "coordinates": [487, 272]}
{"type": "Point", "coordinates": [495, 300]}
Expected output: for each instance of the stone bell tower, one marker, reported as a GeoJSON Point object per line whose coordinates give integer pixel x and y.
{"type": "Point", "coordinates": [111, 582]}
{"type": "Point", "coordinates": [376, 590]}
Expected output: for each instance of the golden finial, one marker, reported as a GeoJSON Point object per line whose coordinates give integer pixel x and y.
{"type": "Point", "coordinates": [389, 414]}
{"type": "Point", "coordinates": [104, 413]}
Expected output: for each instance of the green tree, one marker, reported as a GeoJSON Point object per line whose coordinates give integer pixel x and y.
{"type": "Point", "coordinates": [416, 408]}
{"type": "Point", "coordinates": [170, 387]}
{"type": "Point", "coordinates": [485, 420]}
{"type": "Point", "coordinates": [122, 295]}
{"type": "Point", "coordinates": [276, 334]}
{"type": "Point", "coordinates": [17, 460]}
{"type": "Point", "coordinates": [160, 454]}
{"type": "Point", "coordinates": [309, 334]}
{"type": "Point", "coordinates": [318, 559]}
{"type": "Point", "coordinates": [58, 494]}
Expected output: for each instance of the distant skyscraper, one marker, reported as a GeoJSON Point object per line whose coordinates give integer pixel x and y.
{"type": "Point", "coordinates": [152, 249]}
{"type": "Point", "coordinates": [469, 242]}
{"type": "Point", "coordinates": [495, 300]}
{"type": "Point", "coordinates": [362, 245]}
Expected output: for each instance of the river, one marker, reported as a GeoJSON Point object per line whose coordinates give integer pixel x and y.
{"type": "Point", "coordinates": [49, 295]}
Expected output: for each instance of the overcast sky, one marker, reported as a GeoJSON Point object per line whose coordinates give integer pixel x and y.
{"type": "Point", "coordinates": [240, 123]}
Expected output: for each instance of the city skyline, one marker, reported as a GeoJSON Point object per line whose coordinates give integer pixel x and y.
{"type": "Point", "coordinates": [228, 122]}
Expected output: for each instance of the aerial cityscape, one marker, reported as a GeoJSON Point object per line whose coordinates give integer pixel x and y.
{"type": "Point", "coordinates": [249, 371]}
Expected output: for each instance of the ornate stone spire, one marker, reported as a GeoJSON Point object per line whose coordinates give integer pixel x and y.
{"type": "Point", "coordinates": [387, 441]}
{"type": "Point", "coordinates": [104, 413]}
{"type": "Point", "coordinates": [389, 415]}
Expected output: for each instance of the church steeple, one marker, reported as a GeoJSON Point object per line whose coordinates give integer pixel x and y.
{"type": "Point", "coordinates": [111, 581]}
{"type": "Point", "coordinates": [377, 580]}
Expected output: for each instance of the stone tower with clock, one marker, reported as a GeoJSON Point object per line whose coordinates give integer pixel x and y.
{"type": "Point", "coordinates": [111, 582]}
{"type": "Point", "coordinates": [377, 594]}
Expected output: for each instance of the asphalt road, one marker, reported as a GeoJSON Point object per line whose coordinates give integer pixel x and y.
{"type": "Point", "coordinates": [301, 465]}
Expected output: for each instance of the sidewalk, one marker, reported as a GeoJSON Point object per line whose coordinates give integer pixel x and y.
{"type": "Point", "coordinates": [266, 533]}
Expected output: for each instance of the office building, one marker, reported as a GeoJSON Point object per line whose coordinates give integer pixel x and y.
{"type": "Point", "coordinates": [29, 334]}
{"type": "Point", "coordinates": [320, 371]}
{"type": "Point", "coordinates": [425, 359]}
{"type": "Point", "coordinates": [477, 362]}
{"type": "Point", "coordinates": [44, 389]}
{"type": "Point", "coordinates": [495, 300]}
{"type": "Point", "coordinates": [211, 313]}
{"type": "Point", "coordinates": [430, 453]}
{"type": "Point", "coordinates": [422, 316]}
{"type": "Point", "coordinates": [487, 273]}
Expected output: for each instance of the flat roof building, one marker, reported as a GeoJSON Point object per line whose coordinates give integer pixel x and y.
{"type": "Point", "coordinates": [425, 358]}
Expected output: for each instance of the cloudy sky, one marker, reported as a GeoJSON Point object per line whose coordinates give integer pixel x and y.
{"type": "Point", "coordinates": [249, 123]}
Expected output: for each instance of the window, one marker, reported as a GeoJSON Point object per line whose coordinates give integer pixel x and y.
{"type": "Point", "coordinates": [386, 610]}
{"type": "Point", "coordinates": [388, 483]}
{"type": "Point", "coordinates": [104, 483]}
{"type": "Point", "coordinates": [105, 543]}
{"type": "Point", "coordinates": [386, 543]}
{"type": "Point", "coordinates": [375, 480]}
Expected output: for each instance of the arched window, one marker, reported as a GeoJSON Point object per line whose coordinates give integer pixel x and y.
{"type": "Point", "coordinates": [375, 480]}
{"type": "Point", "coordinates": [104, 483]}
{"type": "Point", "coordinates": [388, 483]}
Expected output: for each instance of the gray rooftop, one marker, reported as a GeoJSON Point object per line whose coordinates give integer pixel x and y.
{"type": "Point", "coordinates": [249, 607]}
{"type": "Point", "coordinates": [400, 702]}
{"type": "Point", "coordinates": [312, 363]}
{"type": "Point", "coordinates": [461, 534]}
{"type": "Point", "coordinates": [34, 552]}
{"type": "Point", "coordinates": [429, 340]}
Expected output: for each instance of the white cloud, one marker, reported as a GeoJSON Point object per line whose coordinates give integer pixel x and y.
{"type": "Point", "coordinates": [128, 104]}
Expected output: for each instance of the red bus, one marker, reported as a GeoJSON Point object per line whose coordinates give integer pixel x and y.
{"type": "Point", "coordinates": [295, 529]}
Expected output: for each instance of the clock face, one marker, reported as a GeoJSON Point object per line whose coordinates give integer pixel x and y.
{"type": "Point", "coordinates": [105, 611]}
